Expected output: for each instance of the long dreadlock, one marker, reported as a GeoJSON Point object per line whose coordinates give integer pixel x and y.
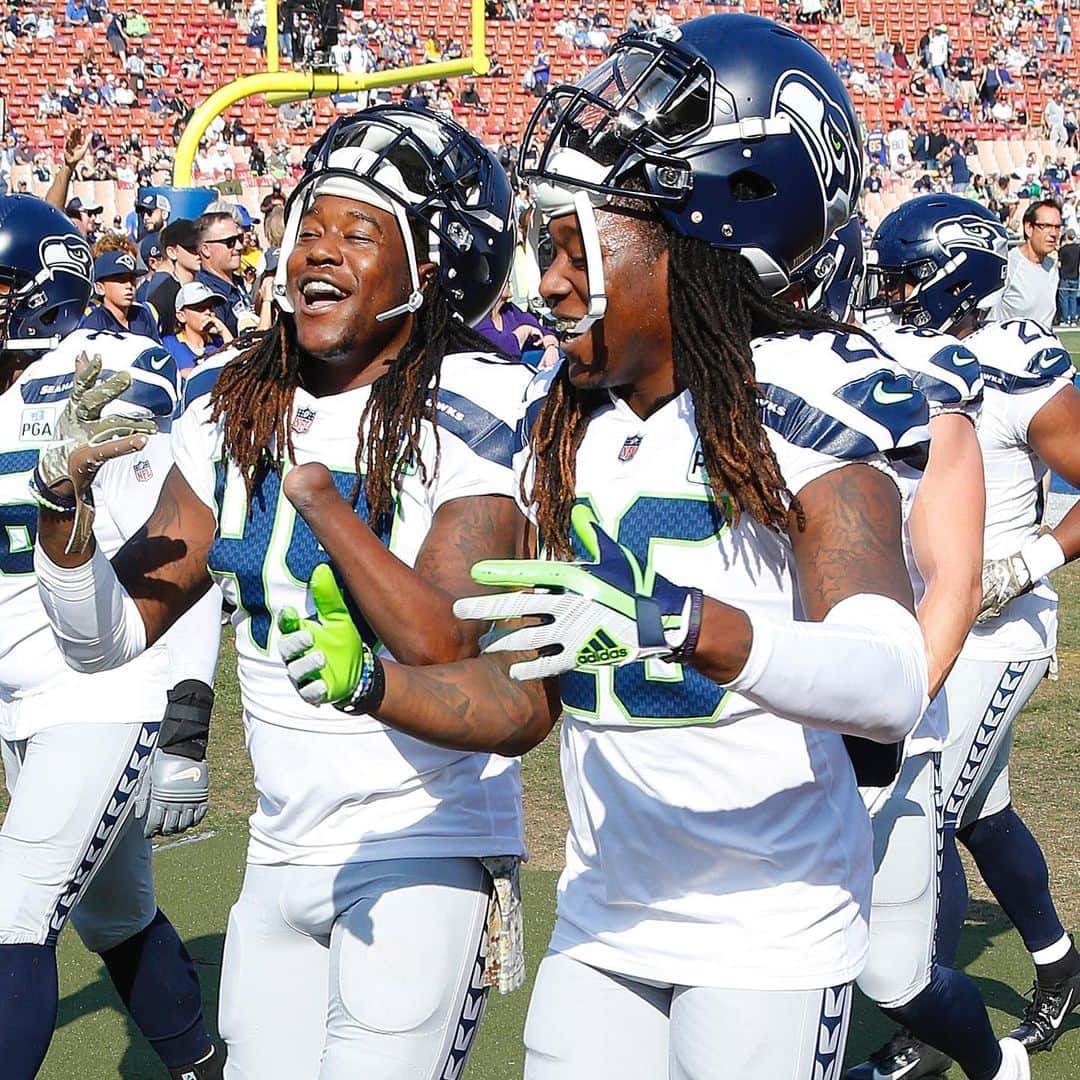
{"type": "Point", "coordinates": [717, 306]}
{"type": "Point", "coordinates": [254, 394]}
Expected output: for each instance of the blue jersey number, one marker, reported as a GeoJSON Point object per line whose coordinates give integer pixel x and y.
{"type": "Point", "coordinates": [18, 521]}
{"type": "Point", "coordinates": [652, 693]}
{"type": "Point", "coordinates": [244, 557]}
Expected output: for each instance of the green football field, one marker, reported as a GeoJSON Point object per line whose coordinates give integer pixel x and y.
{"type": "Point", "coordinates": [199, 876]}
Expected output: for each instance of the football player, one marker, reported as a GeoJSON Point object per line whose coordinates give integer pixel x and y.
{"type": "Point", "coordinates": [937, 263]}
{"type": "Point", "coordinates": [357, 946]}
{"type": "Point", "coordinates": [712, 912]}
{"type": "Point", "coordinates": [76, 748]}
{"type": "Point", "coordinates": [944, 517]}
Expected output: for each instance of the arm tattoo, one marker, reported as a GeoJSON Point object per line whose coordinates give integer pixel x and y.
{"type": "Point", "coordinates": [853, 541]}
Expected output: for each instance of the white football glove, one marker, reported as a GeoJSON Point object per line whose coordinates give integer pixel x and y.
{"type": "Point", "coordinates": [174, 795]}
{"type": "Point", "coordinates": [595, 614]}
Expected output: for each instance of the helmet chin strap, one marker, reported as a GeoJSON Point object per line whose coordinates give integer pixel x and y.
{"type": "Point", "coordinates": [415, 299]}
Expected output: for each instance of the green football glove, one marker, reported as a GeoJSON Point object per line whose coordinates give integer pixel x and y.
{"type": "Point", "coordinates": [327, 660]}
{"type": "Point", "coordinates": [594, 614]}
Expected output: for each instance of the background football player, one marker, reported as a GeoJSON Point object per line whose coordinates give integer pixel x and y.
{"type": "Point", "coordinates": [357, 944]}
{"type": "Point", "coordinates": [936, 263]}
{"type": "Point", "coordinates": [76, 748]}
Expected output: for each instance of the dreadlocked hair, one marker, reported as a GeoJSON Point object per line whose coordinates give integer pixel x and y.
{"type": "Point", "coordinates": [253, 399]}
{"type": "Point", "coordinates": [717, 307]}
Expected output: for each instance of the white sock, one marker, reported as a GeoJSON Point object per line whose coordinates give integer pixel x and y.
{"type": "Point", "coordinates": [1053, 952]}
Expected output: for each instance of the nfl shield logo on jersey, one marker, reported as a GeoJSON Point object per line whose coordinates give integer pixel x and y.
{"type": "Point", "coordinates": [630, 448]}
{"type": "Point", "coordinates": [303, 419]}
{"type": "Point", "coordinates": [143, 471]}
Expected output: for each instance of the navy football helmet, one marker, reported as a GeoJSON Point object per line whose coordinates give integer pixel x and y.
{"type": "Point", "coordinates": [830, 280]}
{"type": "Point", "coordinates": [48, 270]}
{"type": "Point", "coordinates": [733, 127]}
{"type": "Point", "coordinates": [429, 173]}
{"type": "Point", "coordinates": [932, 261]}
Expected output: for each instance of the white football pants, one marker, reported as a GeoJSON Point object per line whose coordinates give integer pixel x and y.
{"type": "Point", "coordinates": [370, 970]}
{"type": "Point", "coordinates": [588, 1024]}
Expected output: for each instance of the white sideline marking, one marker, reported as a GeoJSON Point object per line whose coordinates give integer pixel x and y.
{"type": "Point", "coordinates": [193, 838]}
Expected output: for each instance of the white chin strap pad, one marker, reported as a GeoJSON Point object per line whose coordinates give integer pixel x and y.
{"type": "Point", "coordinates": [360, 162]}
{"type": "Point", "coordinates": [554, 199]}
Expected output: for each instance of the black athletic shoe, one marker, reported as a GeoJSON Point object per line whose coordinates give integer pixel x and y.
{"type": "Point", "coordinates": [208, 1068]}
{"type": "Point", "coordinates": [1043, 1018]}
{"type": "Point", "coordinates": [903, 1057]}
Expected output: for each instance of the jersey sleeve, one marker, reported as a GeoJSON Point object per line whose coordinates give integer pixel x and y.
{"type": "Point", "coordinates": [1027, 364]}
{"type": "Point", "coordinates": [829, 399]}
{"type": "Point", "coordinates": [524, 464]}
{"type": "Point", "coordinates": [127, 488]}
{"type": "Point", "coordinates": [944, 370]}
{"type": "Point", "coordinates": [477, 411]}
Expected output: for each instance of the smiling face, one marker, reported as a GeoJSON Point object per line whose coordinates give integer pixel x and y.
{"type": "Point", "coordinates": [631, 345]}
{"type": "Point", "coordinates": [348, 265]}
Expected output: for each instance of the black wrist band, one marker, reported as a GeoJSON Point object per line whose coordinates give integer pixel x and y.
{"type": "Point", "coordinates": [367, 698]}
{"type": "Point", "coordinates": [693, 629]}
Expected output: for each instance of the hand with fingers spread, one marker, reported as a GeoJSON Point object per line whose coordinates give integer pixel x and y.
{"type": "Point", "coordinates": [84, 441]}
{"type": "Point", "coordinates": [326, 658]}
{"type": "Point", "coordinates": [594, 614]}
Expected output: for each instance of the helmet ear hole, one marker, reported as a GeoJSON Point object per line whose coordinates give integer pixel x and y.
{"type": "Point", "coordinates": [749, 186]}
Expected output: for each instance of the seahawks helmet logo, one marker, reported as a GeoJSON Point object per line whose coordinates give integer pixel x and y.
{"type": "Point", "coordinates": [970, 232]}
{"type": "Point", "coordinates": [825, 129]}
{"type": "Point", "coordinates": [65, 254]}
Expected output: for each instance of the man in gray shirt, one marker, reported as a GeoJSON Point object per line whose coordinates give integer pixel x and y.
{"type": "Point", "coordinates": [1031, 281]}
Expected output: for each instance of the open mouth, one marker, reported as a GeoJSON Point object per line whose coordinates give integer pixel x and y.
{"type": "Point", "coordinates": [318, 295]}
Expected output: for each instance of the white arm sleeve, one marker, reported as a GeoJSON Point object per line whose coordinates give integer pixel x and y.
{"type": "Point", "coordinates": [95, 622]}
{"type": "Point", "coordinates": [194, 640]}
{"type": "Point", "coordinates": [862, 671]}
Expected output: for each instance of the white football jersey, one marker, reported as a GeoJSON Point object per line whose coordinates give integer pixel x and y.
{"type": "Point", "coordinates": [400, 796]}
{"type": "Point", "coordinates": [34, 678]}
{"type": "Point", "coordinates": [947, 373]}
{"type": "Point", "coordinates": [1023, 367]}
{"type": "Point", "coordinates": [712, 843]}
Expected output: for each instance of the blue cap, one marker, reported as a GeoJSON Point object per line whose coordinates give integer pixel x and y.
{"type": "Point", "coordinates": [115, 264]}
{"type": "Point", "coordinates": [150, 247]}
{"type": "Point", "coordinates": [244, 217]}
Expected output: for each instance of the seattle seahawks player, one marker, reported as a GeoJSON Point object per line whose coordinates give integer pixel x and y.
{"type": "Point", "coordinates": [938, 262]}
{"type": "Point", "coordinates": [357, 946]}
{"type": "Point", "coordinates": [724, 943]}
{"type": "Point", "coordinates": [75, 747]}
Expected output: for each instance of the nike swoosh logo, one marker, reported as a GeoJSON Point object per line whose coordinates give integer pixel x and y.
{"type": "Point", "coordinates": [961, 358]}
{"type": "Point", "coordinates": [159, 363]}
{"type": "Point", "coordinates": [879, 1075]}
{"type": "Point", "coordinates": [888, 397]}
{"type": "Point", "coordinates": [1056, 1020]}
{"type": "Point", "coordinates": [188, 774]}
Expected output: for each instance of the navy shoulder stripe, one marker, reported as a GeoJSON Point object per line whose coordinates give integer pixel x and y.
{"type": "Point", "coordinates": [802, 424]}
{"type": "Point", "coordinates": [889, 399]}
{"type": "Point", "coordinates": [199, 383]}
{"type": "Point", "coordinates": [1008, 382]}
{"type": "Point", "coordinates": [1050, 363]}
{"type": "Point", "coordinates": [482, 432]}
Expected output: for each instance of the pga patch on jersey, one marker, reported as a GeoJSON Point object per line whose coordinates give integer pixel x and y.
{"type": "Point", "coordinates": [37, 423]}
{"type": "Point", "coordinates": [696, 474]}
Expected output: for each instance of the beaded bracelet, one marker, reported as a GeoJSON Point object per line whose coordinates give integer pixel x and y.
{"type": "Point", "coordinates": [368, 695]}
{"type": "Point", "coordinates": [52, 500]}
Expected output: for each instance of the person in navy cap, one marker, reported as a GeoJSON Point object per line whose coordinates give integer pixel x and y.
{"type": "Point", "coordinates": [115, 273]}
{"type": "Point", "coordinates": [153, 213]}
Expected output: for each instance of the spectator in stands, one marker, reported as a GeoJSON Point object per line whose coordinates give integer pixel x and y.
{"type": "Point", "coordinates": [989, 82]}
{"type": "Point", "coordinates": [917, 83]}
{"type": "Point", "coordinates": [432, 52]}
{"type": "Point", "coordinates": [49, 102]}
{"type": "Point", "coordinates": [125, 96]}
{"type": "Point", "coordinates": [1069, 218]}
{"type": "Point", "coordinates": [883, 57]}
{"type": "Point", "coordinates": [843, 66]}
{"type": "Point", "coordinates": [1063, 32]}
{"type": "Point", "coordinates": [46, 27]}
{"type": "Point", "coordinates": [199, 329]}
{"type": "Point", "coordinates": [938, 56]}
{"type": "Point", "coordinates": [470, 98]}
{"type": "Point", "coordinates": [220, 248]}
{"type": "Point", "coordinates": [85, 218]}
{"type": "Point", "coordinates": [920, 148]}
{"type": "Point", "coordinates": [97, 10]}
{"type": "Point", "coordinates": [518, 333]}
{"type": "Point", "coordinates": [1069, 283]}
{"type": "Point", "coordinates": [938, 140]}
{"type": "Point", "coordinates": [229, 185]}
{"type": "Point", "coordinates": [873, 181]}
{"type": "Point", "coordinates": [76, 13]}
{"type": "Point", "coordinates": [117, 310]}
{"type": "Point", "coordinates": [955, 164]}
{"type": "Point", "coordinates": [114, 36]}
{"type": "Point", "coordinates": [980, 191]}
{"type": "Point", "coordinates": [1031, 280]}
{"type": "Point", "coordinates": [898, 141]}
{"type": "Point", "coordinates": [1054, 120]}
{"type": "Point", "coordinates": [178, 244]}
{"type": "Point", "coordinates": [964, 69]}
